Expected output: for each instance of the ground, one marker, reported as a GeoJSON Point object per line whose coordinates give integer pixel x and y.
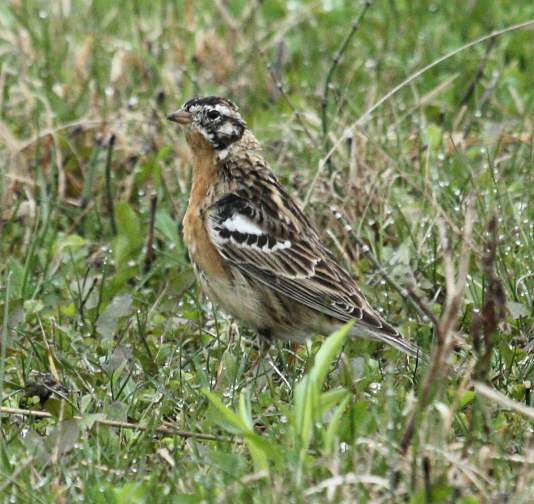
{"type": "Point", "coordinates": [104, 335]}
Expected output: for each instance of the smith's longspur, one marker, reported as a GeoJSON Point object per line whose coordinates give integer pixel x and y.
{"type": "Point", "coordinates": [254, 252]}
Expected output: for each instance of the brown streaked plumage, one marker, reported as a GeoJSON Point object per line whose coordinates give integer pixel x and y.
{"type": "Point", "coordinates": [254, 251]}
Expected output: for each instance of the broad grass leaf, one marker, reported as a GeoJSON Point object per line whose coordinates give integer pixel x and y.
{"type": "Point", "coordinates": [360, 415]}
{"type": "Point", "coordinates": [333, 427]}
{"type": "Point", "coordinates": [71, 242]}
{"type": "Point", "coordinates": [167, 226]}
{"type": "Point", "coordinates": [54, 406]}
{"type": "Point", "coordinates": [188, 499]}
{"type": "Point", "coordinates": [232, 422]}
{"type": "Point", "coordinates": [15, 313]}
{"type": "Point", "coordinates": [260, 449]}
{"type": "Point", "coordinates": [120, 307]}
{"type": "Point", "coordinates": [434, 136]}
{"type": "Point", "coordinates": [130, 237]}
{"type": "Point", "coordinates": [327, 353]}
{"type": "Point", "coordinates": [245, 409]}
{"type": "Point", "coordinates": [131, 493]}
{"type": "Point", "coordinates": [303, 398]}
{"type": "Point", "coordinates": [308, 400]}
{"type": "Point", "coordinates": [116, 410]}
{"type": "Point", "coordinates": [229, 461]}
{"type": "Point", "coordinates": [517, 310]}
{"type": "Point", "coordinates": [17, 277]}
{"type": "Point", "coordinates": [89, 420]}
{"type": "Point", "coordinates": [327, 400]}
{"type": "Point", "coordinates": [259, 457]}
{"type": "Point", "coordinates": [273, 451]}
{"type": "Point", "coordinates": [61, 440]}
{"type": "Point", "coordinates": [467, 398]}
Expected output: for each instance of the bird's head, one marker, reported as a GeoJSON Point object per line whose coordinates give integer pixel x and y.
{"type": "Point", "coordinates": [210, 119]}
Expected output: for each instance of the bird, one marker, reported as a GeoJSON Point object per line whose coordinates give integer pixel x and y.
{"type": "Point", "coordinates": [254, 252]}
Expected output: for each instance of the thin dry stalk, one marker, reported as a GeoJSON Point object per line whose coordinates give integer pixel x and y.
{"type": "Point", "coordinates": [121, 425]}
{"type": "Point", "coordinates": [335, 62]}
{"type": "Point", "coordinates": [499, 398]}
{"type": "Point", "coordinates": [109, 191]}
{"type": "Point", "coordinates": [149, 256]}
{"type": "Point", "coordinates": [455, 284]}
{"type": "Point", "coordinates": [493, 312]}
{"type": "Point", "coordinates": [479, 73]}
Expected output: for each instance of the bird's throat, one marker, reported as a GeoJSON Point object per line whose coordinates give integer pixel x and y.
{"type": "Point", "coordinates": [197, 142]}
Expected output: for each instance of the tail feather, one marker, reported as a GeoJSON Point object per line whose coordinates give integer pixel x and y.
{"type": "Point", "coordinates": [393, 339]}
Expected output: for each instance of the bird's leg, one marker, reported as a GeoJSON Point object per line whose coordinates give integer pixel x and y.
{"type": "Point", "coordinates": [292, 358]}
{"type": "Point", "coordinates": [265, 342]}
{"type": "Point", "coordinates": [266, 339]}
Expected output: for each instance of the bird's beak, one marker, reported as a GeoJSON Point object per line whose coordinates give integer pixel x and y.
{"type": "Point", "coordinates": [180, 117]}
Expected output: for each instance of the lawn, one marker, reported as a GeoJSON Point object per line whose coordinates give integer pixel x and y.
{"type": "Point", "coordinates": [121, 383]}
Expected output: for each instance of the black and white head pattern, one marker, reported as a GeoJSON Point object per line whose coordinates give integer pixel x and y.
{"type": "Point", "coordinates": [217, 119]}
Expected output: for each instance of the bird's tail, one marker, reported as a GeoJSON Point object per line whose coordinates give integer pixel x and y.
{"type": "Point", "coordinates": [393, 339]}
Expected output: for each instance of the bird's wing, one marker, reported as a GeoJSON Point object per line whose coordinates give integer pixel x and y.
{"type": "Point", "coordinates": [275, 244]}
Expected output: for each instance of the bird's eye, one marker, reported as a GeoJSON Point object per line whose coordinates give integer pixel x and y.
{"type": "Point", "coordinates": [213, 114]}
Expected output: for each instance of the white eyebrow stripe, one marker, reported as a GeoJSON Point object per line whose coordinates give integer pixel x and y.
{"type": "Point", "coordinates": [223, 109]}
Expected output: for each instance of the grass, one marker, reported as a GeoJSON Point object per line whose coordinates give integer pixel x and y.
{"type": "Point", "coordinates": [100, 318]}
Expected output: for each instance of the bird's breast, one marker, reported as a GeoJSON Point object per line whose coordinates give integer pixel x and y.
{"type": "Point", "coordinates": [201, 250]}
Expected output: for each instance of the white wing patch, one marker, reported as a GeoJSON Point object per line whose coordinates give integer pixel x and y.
{"type": "Point", "coordinates": [244, 232]}
{"type": "Point", "coordinates": [278, 246]}
{"type": "Point", "coordinates": [242, 224]}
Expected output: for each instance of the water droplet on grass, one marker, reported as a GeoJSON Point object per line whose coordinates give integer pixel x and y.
{"type": "Point", "coordinates": [374, 387]}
